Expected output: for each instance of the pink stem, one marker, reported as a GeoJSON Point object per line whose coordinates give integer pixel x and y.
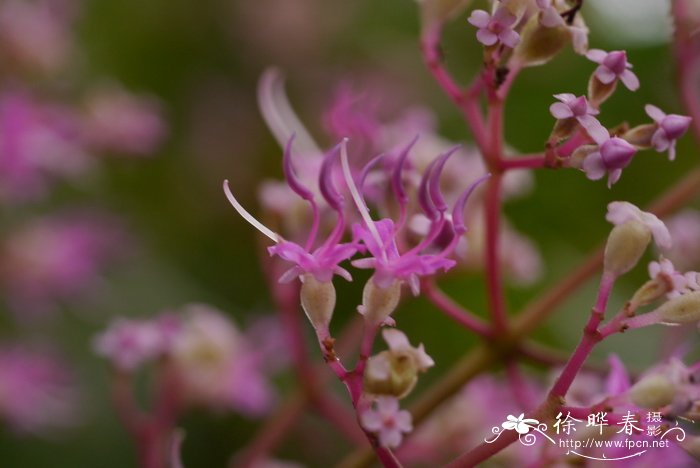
{"type": "Point", "coordinates": [590, 338]}
{"type": "Point", "coordinates": [453, 310]}
{"type": "Point", "coordinates": [494, 280]}
{"type": "Point", "coordinates": [529, 162]}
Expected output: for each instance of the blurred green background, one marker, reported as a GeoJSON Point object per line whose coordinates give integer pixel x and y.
{"type": "Point", "coordinates": [203, 60]}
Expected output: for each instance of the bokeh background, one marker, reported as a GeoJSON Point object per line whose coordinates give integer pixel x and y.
{"type": "Point", "coordinates": [201, 60]}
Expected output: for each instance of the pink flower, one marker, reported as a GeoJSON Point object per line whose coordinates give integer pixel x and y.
{"type": "Point", "coordinates": [119, 121]}
{"type": "Point", "coordinates": [387, 421]}
{"type": "Point", "coordinates": [622, 212]}
{"type": "Point", "coordinates": [321, 262]}
{"type": "Point", "coordinates": [578, 108]}
{"type": "Point", "coordinates": [664, 270]}
{"type": "Point", "coordinates": [37, 391]}
{"type": "Point", "coordinates": [129, 344]}
{"type": "Point", "coordinates": [57, 258]}
{"type": "Point", "coordinates": [670, 127]}
{"type": "Point", "coordinates": [493, 29]}
{"type": "Point", "coordinates": [613, 155]}
{"type": "Point", "coordinates": [685, 231]}
{"type": "Point", "coordinates": [37, 143]}
{"type": "Point", "coordinates": [550, 17]}
{"type": "Point", "coordinates": [613, 65]}
{"type": "Point", "coordinates": [217, 364]}
{"type": "Point", "coordinates": [36, 34]}
{"type": "Point", "coordinates": [380, 237]}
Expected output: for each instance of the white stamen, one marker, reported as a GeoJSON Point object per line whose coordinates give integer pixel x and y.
{"type": "Point", "coordinates": [249, 217]}
{"type": "Point", "coordinates": [280, 116]}
{"type": "Point", "coordinates": [361, 207]}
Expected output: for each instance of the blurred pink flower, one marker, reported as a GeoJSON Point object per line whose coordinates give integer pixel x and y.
{"type": "Point", "coordinates": [685, 232]}
{"type": "Point", "coordinates": [670, 128]}
{"type": "Point", "coordinates": [35, 35]}
{"type": "Point", "coordinates": [496, 28]}
{"type": "Point", "coordinates": [131, 343]}
{"type": "Point", "coordinates": [37, 391]}
{"type": "Point", "coordinates": [613, 66]}
{"type": "Point", "coordinates": [57, 258]}
{"type": "Point", "coordinates": [613, 155]}
{"type": "Point", "coordinates": [121, 122]}
{"type": "Point", "coordinates": [387, 421]}
{"type": "Point", "coordinates": [36, 141]}
{"type": "Point", "coordinates": [622, 212]}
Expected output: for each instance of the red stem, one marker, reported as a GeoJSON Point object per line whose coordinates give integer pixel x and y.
{"type": "Point", "coordinates": [453, 310]}
{"type": "Point", "coordinates": [494, 280]}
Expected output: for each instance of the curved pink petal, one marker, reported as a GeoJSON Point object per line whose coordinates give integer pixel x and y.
{"type": "Point", "coordinates": [390, 438]}
{"type": "Point", "coordinates": [371, 421]}
{"type": "Point", "coordinates": [596, 55]}
{"type": "Point", "coordinates": [594, 128]}
{"type": "Point", "coordinates": [509, 38]}
{"type": "Point", "coordinates": [654, 112]}
{"type": "Point", "coordinates": [560, 110]}
{"type": "Point", "coordinates": [387, 405]}
{"type": "Point", "coordinates": [630, 80]}
{"type": "Point", "coordinates": [614, 176]}
{"type": "Point", "coordinates": [593, 166]}
{"type": "Point", "coordinates": [396, 339]}
{"type": "Point", "coordinates": [403, 421]}
{"type": "Point", "coordinates": [479, 18]}
{"type": "Point", "coordinates": [486, 37]}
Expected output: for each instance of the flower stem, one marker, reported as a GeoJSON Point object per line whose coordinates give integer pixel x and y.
{"type": "Point", "coordinates": [453, 310]}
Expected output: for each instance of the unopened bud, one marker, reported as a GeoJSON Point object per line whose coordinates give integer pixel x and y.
{"type": "Point", "coordinates": [318, 301]}
{"type": "Point", "coordinates": [650, 291]}
{"type": "Point", "coordinates": [653, 391]}
{"type": "Point", "coordinates": [390, 373]}
{"type": "Point", "coordinates": [580, 154]}
{"type": "Point", "coordinates": [379, 303]}
{"type": "Point", "coordinates": [599, 92]}
{"type": "Point", "coordinates": [640, 136]}
{"type": "Point", "coordinates": [681, 309]}
{"type": "Point", "coordinates": [626, 244]}
{"type": "Point", "coordinates": [539, 44]}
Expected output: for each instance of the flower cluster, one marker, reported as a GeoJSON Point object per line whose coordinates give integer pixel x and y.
{"type": "Point", "coordinates": [214, 363]}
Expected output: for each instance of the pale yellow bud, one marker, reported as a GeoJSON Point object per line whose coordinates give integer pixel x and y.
{"type": "Point", "coordinates": [539, 44]}
{"type": "Point", "coordinates": [318, 301]}
{"type": "Point", "coordinates": [379, 303]}
{"type": "Point", "coordinates": [653, 391]}
{"type": "Point", "coordinates": [650, 291]}
{"type": "Point", "coordinates": [640, 135]}
{"type": "Point", "coordinates": [681, 309]}
{"type": "Point", "coordinates": [626, 244]}
{"type": "Point", "coordinates": [391, 373]}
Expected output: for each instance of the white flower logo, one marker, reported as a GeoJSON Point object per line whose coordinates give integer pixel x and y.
{"type": "Point", "coordinates": [519, 424]}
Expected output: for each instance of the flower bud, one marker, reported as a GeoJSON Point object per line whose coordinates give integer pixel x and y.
{"type": "Point", "coordinates": [580, 154]}
{"type": "Point", "coordinates": [539, 44]}
{"type": "Point", "coordinates": [599, 92]}
{"type": "Point", "coordinates": [681, 309]}
{"type": "Point", "coordinates": [390, 373]}
{"type": "Point", "coordinates": [379, 303]}
{"type": "Point", "coordinates": [626, 244]}
{"type": "Point", "coordinates": [640, 135]}
{"type": "Point", "coordinates": [318, 301]}
{"type": "Point", "coordinates": [650, 291]}
{"type": "Point", "coordinates": [653, 391]}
